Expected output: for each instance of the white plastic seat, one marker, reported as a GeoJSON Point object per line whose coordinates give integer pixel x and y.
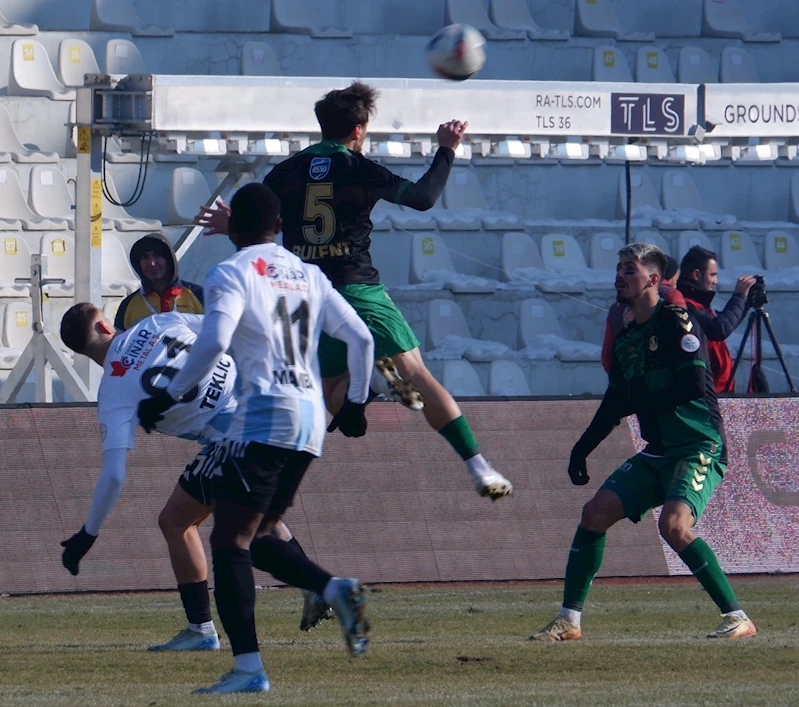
{"type": "Point", "coordinates": [473, 12]}
{"type": "Point", "coordinates": [118, 276]}
{"type": "Point", "coordinates": [444, 318]}
{"type": "Point", "coordinates": [652, 66]}
{"type": "Point", "coordinates": [540, 330]}
{"type": "Point", "coordinates": [642, 192]}
{"type": "Point", "coordinates": [121, 16]}
{"type": "Point", "coordinates": [411, 219]}
{"type": "Point", "coordinates": [596, 18]}
{"type": "Point", "coordinates": [737, 66]}
{"type": "Point", "coordinates": [13, 205]}
{"type": "Point", "coordinates": [464, 197]}
{"type": "Point", "coordinates": [738, 251]}
{"type": "Point", "coordinates": [11, 146]}
{"type": "Point", "coordinates": [515, 15]}
{"type": "Point", "coordinates": [391, 255]}
{"type": "Point", "coordinates": [431, 263]}
{"type": "Point", "coordinates": [381, 215]}
{"type": "Point", "coordinates": [518, 251]}
{"type": "Point", "coordinates": [75, 58]}
{"type": "Point", "coordinates": [17, 332]}
{"type": "Point", "coordinates": [49, 195]}
{"type": "Point", "coordinates": [562, 252]}
{"type": "Point", "coordinates": [604, 253]}
{"type": "Point", "coordinates": [31, 73]}
{"type": "Point", "coordinates": [695, 66]}
{"type": "Point", "coordinates": [14, 29]}
{"type": "Point", "coordinates": [302, 17]}
{"type": "Point", "coordinates": [60, 251]}
{"type": "Point", "coordinates": [123, 221]}
{"type": "Point", "coordinates": [461, 380]}
{"type": "Point", "coordinates": [258, 59]}
{"type": "Point", "coordinates": [123, 57]}
{"type": "Point", "coordinates": [653, 237]}
{"type": "Point", "coordinates": [723, 18]}
{"type": "Point", "coordinates": [15, 261]}
{"type": "Point", "coordinates": [688, 239]}
{"type": "Point", "coordinates": [110, 309]}
{"type": "Point", "coordinates": [780, 251]}
{"type": "Point", "coordinates": [678, 192]}
{"type": "Point", "coordinates": [610, 65]}
{"type": "Point", "coordinates": [58, 308]}
{"type": "Point", "coordinates": [189, 191]}
{"type": "Point", "coordinates": [507, 378]}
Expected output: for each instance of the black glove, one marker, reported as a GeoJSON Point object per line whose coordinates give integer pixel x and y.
{"type": "Point", "coordinates": [75, 548]}
{"type": "Point", "coordinates": [351, 419]}
{"type": "Point", "coordinates": [151, 410]}
{"type": "Point", "coordinates": [578, 471]}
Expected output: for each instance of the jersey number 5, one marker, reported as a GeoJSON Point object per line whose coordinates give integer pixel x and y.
{"type": "Point", "coordinates": [318, 210]}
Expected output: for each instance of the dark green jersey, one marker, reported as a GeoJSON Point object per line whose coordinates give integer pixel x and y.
{"type": "Point", "coordinates": [660, 373]}
{"type": "Point", "coordinates": [327, 194]}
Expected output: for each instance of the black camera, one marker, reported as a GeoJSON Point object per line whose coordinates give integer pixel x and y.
{"type": "Point", "coordinates": [757, 294]}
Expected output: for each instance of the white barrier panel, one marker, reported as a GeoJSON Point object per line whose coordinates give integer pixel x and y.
{"type": "Point", "coordinates": [752, 110]}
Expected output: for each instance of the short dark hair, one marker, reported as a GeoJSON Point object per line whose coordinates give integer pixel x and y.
{"type": "Point", "coordinates": [696, 258]}
{"type": "Point", "coordinates": [254, 212]}
{"type": "Point", "coordinates": [648, 255]}
{"type": "Point", "coordinates": [76, 326]}
{"type": "Point", "coordinates": [340, 111]}
{"type": "Point", "coordinates": [672, 266]}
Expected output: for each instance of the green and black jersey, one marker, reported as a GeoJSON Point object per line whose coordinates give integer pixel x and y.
{"type": "Point", "coordinates": [660, 372]}
{"type": "Point", "coordinates": [327, 194]}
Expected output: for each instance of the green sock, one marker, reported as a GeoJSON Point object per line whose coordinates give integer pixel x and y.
{"type": "Point", "coordinates": [461, 438]}
{"type": "Point", "coordinates": [585, 559]}
{"type": "Point", "coordinates": [704, 565]}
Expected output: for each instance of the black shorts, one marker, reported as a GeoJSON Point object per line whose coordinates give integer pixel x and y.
{"type": "Point", "coordinates": [195, 479]}
{"type": "Point", "coordinates": [265, 479]}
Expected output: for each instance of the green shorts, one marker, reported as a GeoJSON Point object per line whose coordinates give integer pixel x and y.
{"type": "Point", "coordinates": [391, 332]}
{"type": "Point", "coordinates": [644, 482]}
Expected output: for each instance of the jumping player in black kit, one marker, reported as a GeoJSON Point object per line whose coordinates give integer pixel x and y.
{"type": "Point", "coordinates": [327, 193]}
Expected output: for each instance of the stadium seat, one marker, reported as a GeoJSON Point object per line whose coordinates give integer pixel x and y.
{"type": "Point", "coordinates": [540, 330]}
{"type": "Point", "coordinates": [737, 66]}
{"type": "Point", "coordinates": [514, 14]}
{"type": "Point", "coordinates": [121, 16]}
{"type": "Point", "coordinates": [123, 221]}
{"type": "Point", "coordinates": [596, 18]}
{"type": "Point", "coordinates": [461, 380]}
{"type": "Point", "coordinates": [119, 280]}
{"type": "Point", "coordinates": [60, 251]}
{"type": "Point", "coordinates": [391, 255]}
{"type": "Point", "coordinates": [123, 57]}
{"type": "Point", "coordinates": [678, 192]}
{"type": "Point", "coordinates": [431, 263]}
{"type": "Point", "coordinates": [688, 239]}
{"type": "Point", "coordinates": [15, 261]}
{"type": "Point", "coordinates": [75, 58]}
{"type": "Point", "coordinates": [49, 196]}
{"type": "Point", "coordinates": [605, 251]}
{"type": "Point", "coordinates": [110, 308]}
{"type": "Point", "coordinates": [561, 252]}
{"type": "Point", "coordinates": [17, 332]}
{"type": "Point", "coordinates": [793, 198]}
{"type": "Point", "coordinates": [517, 251]}
{"type": "Point", "coordinates": [189, 191]}
{"type": "Point", "coordinates": [13, 205]}
{"type": "Point", "coordinates": [445, 318]}
{"type": "Point", "coordinates": [473, 12]}
{"type": "Point", "coordinates": [695, 66]}
{"type": "Point", "coordinates": [464, 198]}
{"type": "Point", "coordinates": [780, 251]}
{"type": "Point", "coordinates": [723, 18]}
{"type": "Point", "coordinates": [31, 73]}
{"type": "Point", "coordinates": [507, 378]}
{"type": "Point", "coordinates": [11, 146]}
{"type": "Point", "coordinates": [653, 237]}
{"type": "Point", "coordinates": [642, 193]}
{"type": "Point", "coordinates": [738, 251]}
{"type": "Point", "coordinates": [258, 59]}
{"type": "Point", "coordinates": [302, 17]}
{"type": "Point", "coordinates": [13, 29]}
{"type": "Point", "coordinates": [610, 65]}
{"type": "Point", "coordinates": [652, 66]}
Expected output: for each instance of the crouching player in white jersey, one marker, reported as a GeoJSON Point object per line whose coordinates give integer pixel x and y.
{"type": "Point", "coordinates": [137, 362]}
{"type": "Point", "coordinates": [269, 308]}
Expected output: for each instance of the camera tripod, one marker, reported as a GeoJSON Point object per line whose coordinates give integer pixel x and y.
{"type": "Point", "coordinates": [757, 319]}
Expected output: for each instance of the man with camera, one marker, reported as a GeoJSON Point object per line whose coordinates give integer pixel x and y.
{"type": "Point", "coordinates": [699, 277]}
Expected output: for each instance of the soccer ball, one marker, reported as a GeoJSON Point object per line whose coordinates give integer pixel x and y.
{"type": "Point", "coordinates": [457, 52]}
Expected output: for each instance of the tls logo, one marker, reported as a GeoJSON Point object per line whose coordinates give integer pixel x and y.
{"type": "Point", "coordinates": [320, 168]}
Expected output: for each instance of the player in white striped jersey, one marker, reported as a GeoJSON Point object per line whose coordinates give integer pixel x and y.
{"type": "Point", "coordinates": [269, 308]}
{"type": "Point", "coordinates": [135, 364]}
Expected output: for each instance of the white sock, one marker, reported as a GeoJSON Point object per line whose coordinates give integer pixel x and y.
{"type": "Point", "coordinates": [329, 594]}
{"type": "Point", "coordinates": [249, 662]}
{"type": "Point", "coordinates": [478, 466]}
{"type": "Point", "coordinates": [571, 615]}
{"type": "Point", "coordinates": [739, 612]}
{"type": "Point", "coordinates": [205, 629]}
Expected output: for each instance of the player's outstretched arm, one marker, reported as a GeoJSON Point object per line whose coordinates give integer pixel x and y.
{"type": "Point", "coordinates": [214, 220]}
{"type": "Point", "coordinates": [610, 412]}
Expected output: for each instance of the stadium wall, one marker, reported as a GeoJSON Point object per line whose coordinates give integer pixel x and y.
{"type": "Point", "coordinates": [397, 505]}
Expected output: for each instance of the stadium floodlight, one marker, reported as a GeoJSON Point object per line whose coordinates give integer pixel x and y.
{"type": "Point", "coordinates": [464, 152]}
{"type": "Point", "coordinates": [207, 147]}
{"type": "Point", "coordinates": [513, 148]}
{"type": "Point", "coordinates": [393, 148]}
{"type": "Point", "coordinates": [691, 154]}
{"type": "Point", "coordinates": [269, 146]}
{"type": "Point", "coordinates": [767, 152]}
{"type": "Point", "coordinates": [571, 151]}
{"type": "Point", "coordinates": [630, 153]}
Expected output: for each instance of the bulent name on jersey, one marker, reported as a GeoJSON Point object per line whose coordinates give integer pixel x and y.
{"type": "Point", "coordinates": [216, 385]}
{"type": "Point", "coordinates": [288, 377]}
{"type": "Point", "coordinates": [315, 252]}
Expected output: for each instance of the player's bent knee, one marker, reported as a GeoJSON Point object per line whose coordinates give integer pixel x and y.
{"type": "Point", "coordinates": [599, 515]}
{"type": "Point", "coordinates": [675, 531]}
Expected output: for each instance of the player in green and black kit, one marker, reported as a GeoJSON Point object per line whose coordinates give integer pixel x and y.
{"type": "Point", "coordinates": [327, 193]}
{"type": "Point", "coordinates": [660, 373]}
